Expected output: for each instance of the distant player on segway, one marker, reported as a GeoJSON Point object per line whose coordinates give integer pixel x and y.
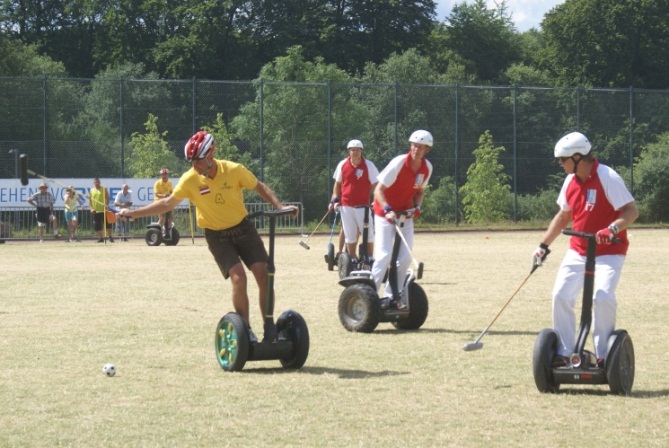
{"type": "Point", "coordinates": [163, 189]}
{"type": "Point", "coordinates": [355, 179]}
{"type": "Point", "coordinates": [594, 197]}
{"type": "Point", "coordinates": [216, 187]}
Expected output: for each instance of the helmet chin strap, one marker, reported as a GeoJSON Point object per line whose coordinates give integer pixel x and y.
{"type": "Point", "coordinates": [576, 162]}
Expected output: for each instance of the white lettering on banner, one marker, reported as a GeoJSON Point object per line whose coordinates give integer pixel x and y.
{"type": "Point", "coordinates": [13, 194]}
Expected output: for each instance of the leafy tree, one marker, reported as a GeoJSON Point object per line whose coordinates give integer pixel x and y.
{"type": "Point", "coordinates": [19, 59]}
{"type": "Point", "coordinates": [150, 152]}
{"type": "Point", "coordinates": [608, 43]}
{"type": "Point", "coordinates": [483, 40]}
{"type": "Point", "coordinates": [486, 195]}
{"type": "Point", "coordinates": [439, 205]}
{"type": "Point", "coordinates": [652, 181]}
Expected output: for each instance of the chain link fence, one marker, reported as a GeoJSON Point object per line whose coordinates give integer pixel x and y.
{"type": "Point", "coordinates": [295, 133]}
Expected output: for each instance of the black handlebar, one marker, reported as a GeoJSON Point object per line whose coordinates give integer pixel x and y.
{"type": "Point", "coordinates": [271, 213]}
{"type": "Point", "coordinates": [586, 235]}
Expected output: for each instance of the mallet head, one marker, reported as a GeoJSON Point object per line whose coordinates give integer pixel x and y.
{"type": "Point", "coordinates": [471, 346]}
{"type": "Point", "coordinates": [305, 245]}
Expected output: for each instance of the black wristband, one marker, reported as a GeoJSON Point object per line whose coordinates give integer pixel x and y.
{"type": "Point", "coordinates": [387, 209]}
{"type": "Point", "coordinates": [543, 246]}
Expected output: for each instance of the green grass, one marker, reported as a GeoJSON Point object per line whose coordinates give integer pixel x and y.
{"type": "Point", "coordinates": [67, 309]}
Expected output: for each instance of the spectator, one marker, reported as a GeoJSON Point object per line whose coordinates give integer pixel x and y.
{"type": "Point", "coordinates": [216, 188]}
{"type": "Point", "coordinates": [123, 200]}
{"type": "Point", "coordinates": [98, 201]}
{"type": "Point", "coordinates": [43, 201]}
{"type": "Point", "coordinates": [72, 204]}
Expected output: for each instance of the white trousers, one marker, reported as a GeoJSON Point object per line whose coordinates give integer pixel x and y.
{"type": "Point", "coordinates": [568, 286]}
{"type": "Point", "coordinates": [353, 221]}
{"type": "Point", "coordinates": [383, 249]}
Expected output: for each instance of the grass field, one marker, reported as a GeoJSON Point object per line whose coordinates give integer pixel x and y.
{"type": "Point", "coordinates": [67, 309]}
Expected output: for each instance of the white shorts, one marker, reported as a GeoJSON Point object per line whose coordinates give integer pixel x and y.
{"type": "Point", "coordinates": [353, 223]}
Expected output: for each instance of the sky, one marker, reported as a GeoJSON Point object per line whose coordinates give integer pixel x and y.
{"type": "Point", "coordinates": [525, 14]}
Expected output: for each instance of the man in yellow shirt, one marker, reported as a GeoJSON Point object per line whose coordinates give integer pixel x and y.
{"type": "Point", "coordinates": [216, 187]}
{"type": "Point", "coordinates": [161, 190]}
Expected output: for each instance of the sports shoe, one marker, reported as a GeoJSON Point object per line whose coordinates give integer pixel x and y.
{"type": "Point", "coordinates": [601, 363]}
{"type": "Point", "coordinates": [111, 240]}
{"type": "Point", "coordinates": [253, 339]}
{"type": "Point", "coordinates": [560, 361]}
{"type": "Point", "coordinates": [100, 240]}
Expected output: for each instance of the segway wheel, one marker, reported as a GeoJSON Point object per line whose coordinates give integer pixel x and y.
{"type": "Point", "coordinates": [620, 363]}
{"type": "Point", "coordinates": [175, 238]}
{"type": "Point", "coordinates": [545, 349]}
{"type": "Point", "coordinates": [344, 265]}
{"type": "Point", "coordinates": [331, 257]}
{"type": "Point", "coordinates": [359, 308]}
{"type": "Point", "coordinates": [231, 342]}
{"type": "Point", "coordinates": [292, 327]}
{"type": "Point", "coordinates": [153, 237]}
{"type": "Point", "coordinates": [418, 309]}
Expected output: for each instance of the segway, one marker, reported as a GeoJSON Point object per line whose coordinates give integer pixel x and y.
{"type": "Point", "coordinates": [154, 235]}
{"type": "Point", "coordinates": [345, 263]}
{"type": "Point", "coordinates": [291, 347]}
{"type": "Point", "coordinates": [330, 258]}
{"type": "Point", "coordinates": [582, 368]}
{"type": "Point", "coordinates": [360, 307]}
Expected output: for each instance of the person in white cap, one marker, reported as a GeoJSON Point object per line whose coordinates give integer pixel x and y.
{"type": "Point", "coordinates": [401, 188]}
{"type": "Point", "coordinates": [355, 179]}
{"type": "Point", "coordinates": [123, 200]}
{"type": "Point", "coordinates": [594, 199]}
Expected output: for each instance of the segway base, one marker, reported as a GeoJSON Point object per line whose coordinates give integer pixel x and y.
{"type": "Point", "coordinates": [574, 375]}
{"type": "Point", "coordinates": [262, 351]}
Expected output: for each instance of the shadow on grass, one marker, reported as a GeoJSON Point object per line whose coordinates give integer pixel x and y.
{"type": "Point", "coordinates": [605, 392]}
{"type": "Point", "coordinates": [347, 374]}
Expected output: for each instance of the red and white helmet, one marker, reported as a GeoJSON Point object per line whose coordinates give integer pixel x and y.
{"type": "Point", "coordinates": [164, 171]}
{"type": "Point", "coordinates": [199, 146]}
{"type": "Point", "coordinates": [422, 137]}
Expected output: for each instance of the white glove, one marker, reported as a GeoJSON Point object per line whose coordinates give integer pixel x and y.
{"type": "Point", "coordinates": [540, 254]}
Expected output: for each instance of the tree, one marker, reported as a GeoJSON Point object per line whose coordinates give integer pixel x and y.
{"type": "Point", "coordinates": [608, 43]}
{"type": "Point", "coordinates": [486, 195]}
{"type": "Point", "coordinates": [652, 181]}
{"type": "Point", "coordinates": [150, 152]}
{"type": "Point", "coordinates": [482, 40]}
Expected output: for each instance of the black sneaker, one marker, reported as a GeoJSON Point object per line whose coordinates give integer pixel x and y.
{"type": "Point", "coordinates": [111, 239]}
{"type": "Point", "coordinates": [270, 332]}
{"type": "Point", "coordinates": [101, 240]}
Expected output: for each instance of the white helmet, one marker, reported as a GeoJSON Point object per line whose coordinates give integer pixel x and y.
{"type": "Point", "coordinates": [355, 144]}
{"type": "Point", "coordinates": [422, 137]}
{"type": "Point", "coordinates": [572, 143]}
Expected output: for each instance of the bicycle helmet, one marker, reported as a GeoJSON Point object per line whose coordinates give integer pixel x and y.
{"type": "Point", "coordinates": [199, 146]}
{"type": "Point", "coordinates": [572, 143]}
{"type": "Point", "coordinates": [422, 137]}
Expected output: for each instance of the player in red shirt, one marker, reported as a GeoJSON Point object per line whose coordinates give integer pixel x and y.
{"type": "Point", "coordinates": [595, 199]}
{"type": "Point", "coordinates": [355, 178]}
{"type": "Point", "coordinates": [401, 187]}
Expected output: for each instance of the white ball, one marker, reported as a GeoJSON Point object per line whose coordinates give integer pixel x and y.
{"type": "Point", "coordinates": [109, 369]}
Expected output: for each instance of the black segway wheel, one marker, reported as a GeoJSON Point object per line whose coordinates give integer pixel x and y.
{"type": "Point", "coordinates": [545, 349]}
{"type": "Point", "coordinates": [331, 257]}
{"type": "Point", "coordinates": [620, 363]}
{"type": "Point", "coordinates": [231, 342]}
{"type": "Point", "coordinates": [418, 309]}
{"type": "Point", "coordinates": [153, 237]}
{"type": "Point", "coordinates": [175, 238]}
{"type": "Point", "coordinates": [292, 327]}
{"type": "Point", "coordinates": [344, 265]}
{"type": "Point", "coordinates": [359, 308]}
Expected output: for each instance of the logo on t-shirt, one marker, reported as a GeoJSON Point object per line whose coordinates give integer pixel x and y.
{"type": "Point", "coordinates": [590, 199]}
{"type": "Point", "coordinates": [359, 172]}
{"type": "Point", "coordinates": [420, 178]}
{"type": "Point", "coordinates": [204, 190]}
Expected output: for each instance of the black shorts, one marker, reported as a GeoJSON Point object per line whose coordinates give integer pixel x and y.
{"type": "Point", "coordinates": [241, 242]}
{"type": "Point", "coordinates": [98, 220]}
{"type": "Point", "coordinates": [43, 214]}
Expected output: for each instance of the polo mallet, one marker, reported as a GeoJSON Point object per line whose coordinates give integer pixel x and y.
{"type": "Point", "coordinates": [190, 220]}
{"type": "Point", "coordinates": [477, 344]}
{"type": "Point", "coordinates": [419, 265]}
{"type": "Point", "coordinates": [304, 244]}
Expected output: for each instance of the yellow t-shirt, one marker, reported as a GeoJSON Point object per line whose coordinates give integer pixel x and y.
{"type": "Point", "coordinates": [98, 199]}
{"type": "Point", "coordinates": [161, 187]}
{"type": "Point", "coordinates": [219, 201]}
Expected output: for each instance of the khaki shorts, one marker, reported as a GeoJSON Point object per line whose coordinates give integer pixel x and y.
{"type": "Point", "coordinates": [240, 242]}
